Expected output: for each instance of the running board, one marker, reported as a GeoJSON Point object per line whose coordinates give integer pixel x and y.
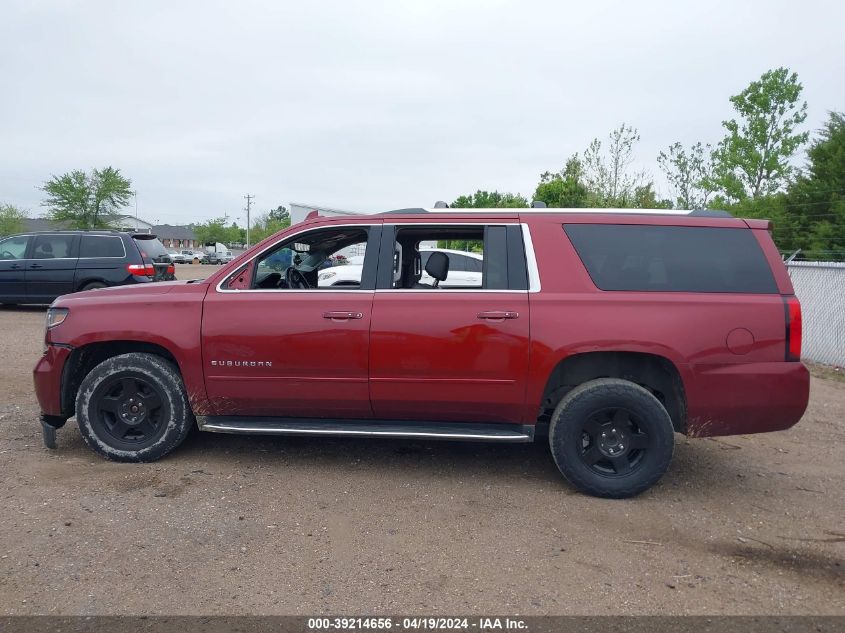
{"type": "Point", "coordinates": [470, 431]}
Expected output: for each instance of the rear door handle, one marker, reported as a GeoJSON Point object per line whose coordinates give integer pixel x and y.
{"type": "Point", "coordinates": [498, 315]}
{"type": "Point", "coordinates": [343, 316]}
{"type": "Point", "coordinates": [36, 266]}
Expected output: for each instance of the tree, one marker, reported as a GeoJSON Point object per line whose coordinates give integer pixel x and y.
{"type": "Point", "coordinates": [753, 158]}
{"type": "Point", "coordinates": [11, 219]}
{"type": "Point", "coordinates": [815, 201]}
{"type": "Point", "coordinates": [490, 200]}
{"type": "Point", "coordinates": [601, 178]}
{"type": "Point", "coordinates": [564, 189]}
{"type": "Point", "coordinates": [85, 201]}
{"type": "Point", "coordinates": [216, 230]}
{"type": "Point", "coordinates": [607, 174]}
{"type": "Point", "coordinates": [279, 214]}
{"type": "Point", "coordinates": [266, 224]}
{"type": "Point", "coordinates": [690, 174]}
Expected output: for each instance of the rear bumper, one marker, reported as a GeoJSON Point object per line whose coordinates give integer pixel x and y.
{"type": "Point", "coordinates": [47, 377]}
{"type": "Point", "coordinates": [746, 398]}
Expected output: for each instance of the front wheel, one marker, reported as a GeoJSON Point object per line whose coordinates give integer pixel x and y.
{"type": "Point", "coordinates": [611, 438]}
{"type": "Point", "coordinates": [133, 408]}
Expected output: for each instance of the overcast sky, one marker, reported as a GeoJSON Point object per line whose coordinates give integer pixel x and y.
{"type": "Point", "coordinates": [376, 105]}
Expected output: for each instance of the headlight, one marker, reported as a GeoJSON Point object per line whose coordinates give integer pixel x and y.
{"type": "Point", "coordinates": [56, 316]}
{"type": "Point", "coordinates": [327, 275]}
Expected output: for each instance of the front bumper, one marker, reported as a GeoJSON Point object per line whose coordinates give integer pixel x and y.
{"type": "Point", "coordinates": [47, 377]}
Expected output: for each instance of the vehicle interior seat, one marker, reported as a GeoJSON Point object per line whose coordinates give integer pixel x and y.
{"type": "Point", "coordinates": [45, 251]}
{"type": "Point", "coordinates": [437, 266]}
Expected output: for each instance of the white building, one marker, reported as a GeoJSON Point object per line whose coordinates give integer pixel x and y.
{"type": "Point", "coordinates": [299, 211]}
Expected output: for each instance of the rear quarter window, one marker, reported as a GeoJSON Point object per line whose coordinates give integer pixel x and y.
{"type": "Point", "coordinates": [101, 246]}
{"type": "Point", "coordinates": [672, 258]}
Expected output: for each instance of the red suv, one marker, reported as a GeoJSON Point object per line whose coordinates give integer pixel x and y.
{"type": "Point", "coordinates": [604, 331]}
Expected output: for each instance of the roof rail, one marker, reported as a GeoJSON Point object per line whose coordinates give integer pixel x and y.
{"type": "Point", "coordinates": [710, 213]}
{"type": "Point", "coordinates": [409, 210]}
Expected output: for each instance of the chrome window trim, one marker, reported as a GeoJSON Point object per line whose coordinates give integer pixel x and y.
{"type": "Point", "coordinates": [219, 287]}
{"type": "Point", "coordinates": [531, 260]}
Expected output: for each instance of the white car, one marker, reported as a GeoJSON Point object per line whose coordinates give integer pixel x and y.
{"type": "Point", "coordinates": [464, 270]}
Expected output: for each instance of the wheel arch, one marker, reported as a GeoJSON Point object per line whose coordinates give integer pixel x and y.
{"type": "Point", "coordinates": [656, 373]}
{"type": "Point", "coordinates": [83, 359]}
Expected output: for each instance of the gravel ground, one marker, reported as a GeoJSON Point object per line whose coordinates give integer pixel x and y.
{"type": "Point", "coordinates": [258, 525]}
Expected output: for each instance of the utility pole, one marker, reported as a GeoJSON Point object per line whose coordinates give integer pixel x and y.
{"type": "Point", "coordinates": [249, 199]}
{"type": "Point", "coordinates": [135, 195]}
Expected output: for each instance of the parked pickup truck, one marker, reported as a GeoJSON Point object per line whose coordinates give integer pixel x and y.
{"type": "Point", "coordinates": [601, 332]}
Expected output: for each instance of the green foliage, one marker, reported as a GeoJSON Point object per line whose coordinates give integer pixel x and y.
{"type": "Point", "coordinates": [601, 178]}
{"type": "Point", "coordinates": [279, 214]}
{"type": "Point", "coordinates": [490, 200]}
{"type": "Point", "coordinates": [266, 224]}
{"type": "Point", "coordinates": [690, 174]}
{"type": "Point", "coordinates": [607, 174]}
{"type": "Point", "coordinates": [216, 230]}
{"type": "Point", "coordinates": [81, 200]}
{"type": "Point", "coordinates": [816, 199]}
{"type": "Point", "coordinates": [11, 219]}
{"type": "Point", "coordinates": [753, 158]}
{"type": "Point", "coordinates": [564, 189]}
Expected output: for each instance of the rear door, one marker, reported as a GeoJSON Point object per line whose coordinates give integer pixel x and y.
{"type": "Point", "coordinates": [51, 269]}
{"type": "Point", "coordinates": [13, 264]}
{"type": "Point", "coordinates": [450, 353]}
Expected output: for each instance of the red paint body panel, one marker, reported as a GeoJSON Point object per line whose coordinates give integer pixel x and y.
{"type": "Point", "coordinates": [319, 366]}
{"type": "Point", "coordinates": [47, 377]}
{"type": "Point", "coordinates": [426, 355]}
{"type": "Point", "coordinates": [431, 356]}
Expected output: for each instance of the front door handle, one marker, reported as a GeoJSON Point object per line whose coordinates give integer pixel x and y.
{"type": "Point", "coordinates": [15, 266]}
{"type": "Point", "coordinates": [343, 316]}
{"type": "Point", "coordinates": [498, 315]}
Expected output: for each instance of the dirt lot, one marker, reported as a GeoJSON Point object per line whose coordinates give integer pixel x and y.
{"type": "Point", "coordinates": [241, 525]}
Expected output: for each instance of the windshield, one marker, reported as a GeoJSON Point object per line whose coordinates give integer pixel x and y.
{"type": "Point", "coordinates": [152, 248]}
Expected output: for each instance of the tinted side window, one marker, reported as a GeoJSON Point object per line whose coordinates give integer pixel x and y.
{"type": "Point", "coordinates": [101, 246]}
{"type": "Point", "coordinates": [52, 246]}
{"type": "Point", "coordinates": [672, 258]}
{"type": "Point", "coordinates": [13, 247]}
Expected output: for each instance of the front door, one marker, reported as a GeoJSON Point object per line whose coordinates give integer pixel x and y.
{"type": "Point", "coordinates": [13, 268]}
{"type": "Point", "coordinates": [280, 340]}
{"type": "Point", "coordinates": [450, 352]}
{"type": "Point", "coordinates": [51, 268]}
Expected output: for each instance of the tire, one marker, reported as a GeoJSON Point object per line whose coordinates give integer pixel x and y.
{"type": "Point", "coordinates": [91, 285]}
{"type": "Point", "coordinates": [611, 438]}
{"type": "Point", "coordinates": [133, 408]}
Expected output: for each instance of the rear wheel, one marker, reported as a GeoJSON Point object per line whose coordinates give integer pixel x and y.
{"type": "Point", "coordinates": [133, 408]}
{"type": "Point", "coordinates": [91, 285]}
{"type": "Point", "coordinates": [611, 438]}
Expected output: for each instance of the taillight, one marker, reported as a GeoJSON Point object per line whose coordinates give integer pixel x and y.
{"type": "Point", "coordinates": [143, 270]}
{"type": "Point", "coordinates": [171, 270]}
{"type": "Point", "coordinates": [792, 308]}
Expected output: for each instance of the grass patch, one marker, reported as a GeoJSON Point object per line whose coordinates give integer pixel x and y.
{"type": "Point", "coordinates": [828, 372]}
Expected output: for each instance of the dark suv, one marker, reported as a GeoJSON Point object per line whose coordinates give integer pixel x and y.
{"type": "Point", "coordinates": [603, 333]}
{"type": "Point", "coordinates": [38, 267]}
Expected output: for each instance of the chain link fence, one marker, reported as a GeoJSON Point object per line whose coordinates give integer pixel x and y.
{"type": "Point", "coordinates": [820, 287]}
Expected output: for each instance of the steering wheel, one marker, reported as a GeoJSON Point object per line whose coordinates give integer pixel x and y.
{"type": "Point", "coordinates": [295, 279]}
{"type": "Point", "coordinates": [7, 255]}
